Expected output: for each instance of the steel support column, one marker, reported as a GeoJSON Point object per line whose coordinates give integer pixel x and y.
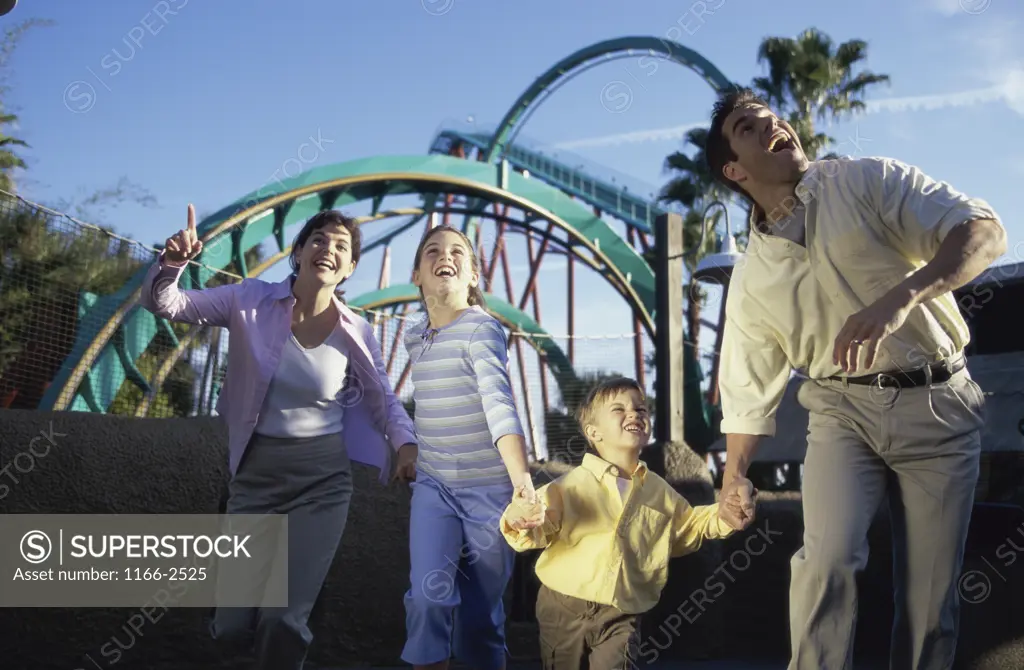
{"type": "Point", "coordinates": [668, 329]}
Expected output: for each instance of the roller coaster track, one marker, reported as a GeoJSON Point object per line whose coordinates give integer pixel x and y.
{"type": "Point", "coordinates": [105, 355]}
{"type": "Point", "coordinates": [115, 332]}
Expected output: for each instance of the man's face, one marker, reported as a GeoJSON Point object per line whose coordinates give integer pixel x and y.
{"type": "Point", "coordinates": [767, 148]}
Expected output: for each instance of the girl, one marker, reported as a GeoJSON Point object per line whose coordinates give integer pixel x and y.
{"type": "Point", "coordinates": [472, 458]}
{"type": "Point", "coordinates": [305, 391]}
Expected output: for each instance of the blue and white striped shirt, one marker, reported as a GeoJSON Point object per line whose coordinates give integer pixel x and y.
{"type": "Point", "coordinates": [463, 397]}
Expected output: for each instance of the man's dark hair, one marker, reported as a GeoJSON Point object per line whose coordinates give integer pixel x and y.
{"type": "Point", "coordinates": [717, 150]}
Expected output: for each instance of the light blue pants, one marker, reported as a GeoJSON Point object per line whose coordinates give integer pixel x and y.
{"type": "Point", "coordinates": [461, 566]}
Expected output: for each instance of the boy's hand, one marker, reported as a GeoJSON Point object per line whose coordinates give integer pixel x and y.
{"type": "Point", "coordinates": [737, 503]}
{"type": "Point", "coordinates": [528, 508]}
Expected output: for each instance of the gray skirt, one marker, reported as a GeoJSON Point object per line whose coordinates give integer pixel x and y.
{"type": "Point", "coordinates": [310, 480]}
{"type": "Point", "coordinates": [278, 475]}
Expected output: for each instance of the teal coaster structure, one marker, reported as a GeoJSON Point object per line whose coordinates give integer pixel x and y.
{"type": "Point", "coordinates": [104, 356]}
{"type": "Point", "coordinates": [559, 204]}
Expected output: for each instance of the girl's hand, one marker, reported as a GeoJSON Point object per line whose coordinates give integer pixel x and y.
{"type": "Point", "coordinates": [185, 245]}
{"type": "Point", "coordinates": [525, 489]}
{"type": "Point", "coordinates": [405, 469]}
{"type": "Point", "coordinates": [530, 508]}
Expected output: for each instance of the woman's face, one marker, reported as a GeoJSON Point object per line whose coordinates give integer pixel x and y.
{"type": "Point", "coordinates": [327, 255]}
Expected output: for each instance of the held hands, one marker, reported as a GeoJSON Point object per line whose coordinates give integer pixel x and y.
{"type": "Point", "coordinates": [185, 245]}
{"type": "Point", "coordinates": [737, 503]}
{"type": "Point", "coordinates": [527, 510]}
{"type": "Point", "coordinates": [405, 468]}
{"type": "Point", "coordinates": [865, 329]}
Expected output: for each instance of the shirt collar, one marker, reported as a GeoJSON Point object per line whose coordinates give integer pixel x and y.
{"type": "Point", "coordinates": [804, 192]}
{"type": "Point", "coordinates": [599, 467]}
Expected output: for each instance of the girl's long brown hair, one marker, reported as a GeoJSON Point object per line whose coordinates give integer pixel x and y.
{"type": "Point", "coordinates": [476, 296]}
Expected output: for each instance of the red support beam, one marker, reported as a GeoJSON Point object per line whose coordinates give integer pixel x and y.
{"type": "Point", "coordinates": [396, 341]}
{"type": "Point", "coordinates": [404, 376]}
{"type": "Point", "coordinates": [503, 253]}
{"type": "Point", "coordinates": [499, 244]}
{"type": "Point", "coordinates": [541, 365]}
{"type": "Point", "coordinates": [645, 245]}
{"type": "Point", "coordinates": [535, 267]}
{"type": "Point", "coordinates": [528, 406]}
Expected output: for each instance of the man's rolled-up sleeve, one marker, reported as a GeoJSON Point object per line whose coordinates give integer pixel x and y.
{"type": "Point", "coordinates": [917, 211]}
{"type": "Point", "coordinates": [753, 374]}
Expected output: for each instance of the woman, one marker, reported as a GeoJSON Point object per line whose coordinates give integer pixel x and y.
{"type": "Point", "coordinates": [305, 391]}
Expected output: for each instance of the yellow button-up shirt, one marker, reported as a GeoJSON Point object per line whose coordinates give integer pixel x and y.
{"type": "Point", "coordinates": [870, 223]}
{"type": "Point", "coordinates": [610, 547]}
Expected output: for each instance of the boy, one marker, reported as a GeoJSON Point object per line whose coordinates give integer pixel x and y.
{"type": "Point", "coordinates": [608, 529]}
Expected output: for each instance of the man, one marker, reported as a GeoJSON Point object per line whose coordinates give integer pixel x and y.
{"type": "Point", "coordinates": [847, 279]}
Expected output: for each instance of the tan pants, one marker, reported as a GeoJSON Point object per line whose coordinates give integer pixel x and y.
{"type": "Point", "coordinates": [577, 634]}
{"type": "Point", "coordinates": [920, 447]}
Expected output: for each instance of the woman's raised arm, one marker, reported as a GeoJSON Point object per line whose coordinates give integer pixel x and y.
{"type": "Point", "coordinates": [160, 292]}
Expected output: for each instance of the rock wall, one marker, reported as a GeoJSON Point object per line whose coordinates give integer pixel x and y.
{"type": "Point", "coordinates": [730, 599]}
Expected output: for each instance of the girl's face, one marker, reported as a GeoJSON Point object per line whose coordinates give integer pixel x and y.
{"type": "Point", "coordinates": [446, 266]}
{"type": "Point", "coordinates": [327, 255]}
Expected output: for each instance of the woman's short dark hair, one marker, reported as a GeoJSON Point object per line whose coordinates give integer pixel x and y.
{"type": "Point", "coordinates": [319, 220]}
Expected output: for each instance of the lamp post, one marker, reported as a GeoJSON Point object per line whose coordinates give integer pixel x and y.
{"type": "Point", "coordinates": [717, 268]}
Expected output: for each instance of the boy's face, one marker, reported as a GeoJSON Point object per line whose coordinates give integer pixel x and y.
{"type": "Point", "coordinates": [622, 422]}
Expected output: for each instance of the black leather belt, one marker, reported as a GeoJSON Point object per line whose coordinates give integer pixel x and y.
{"type": "Point", "coordinates": [940, 372]}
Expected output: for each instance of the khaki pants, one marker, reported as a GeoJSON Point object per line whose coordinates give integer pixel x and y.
{"type": "Point", "coordinates": [920, 447]}
{"type": "Point", "coordinates": [576, 634]}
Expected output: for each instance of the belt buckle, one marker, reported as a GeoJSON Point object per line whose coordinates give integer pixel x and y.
{"type": "Point", "coordinates": [882, 395]}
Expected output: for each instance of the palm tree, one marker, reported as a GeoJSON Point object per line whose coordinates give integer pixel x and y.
{"type": "Point", "coordinates": [9, 160]}
{"type": "Point", "coordinates": [810, 79]}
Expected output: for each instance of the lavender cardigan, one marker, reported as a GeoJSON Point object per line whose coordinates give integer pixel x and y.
{"type": "Point", "coordinates": [258, 316]}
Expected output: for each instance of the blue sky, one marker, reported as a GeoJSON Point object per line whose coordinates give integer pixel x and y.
{"type": "Point", "coordinates": [214, 98]}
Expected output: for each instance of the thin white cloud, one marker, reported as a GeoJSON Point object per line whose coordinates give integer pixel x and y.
{"type": "Point", "coordinates": [940, 101]}
{"type": "Point", "coordinates": [1011, 91]}
{"type": "Point", "coordinates": [947, 7]}
{"type": "Point", "coordinates": [636, 137]}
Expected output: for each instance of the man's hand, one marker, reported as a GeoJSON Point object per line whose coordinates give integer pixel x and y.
{"type": "Point", "coordinates": [736, 503]}
{"type": "Point", "coordinates": [405, 470]}
{"type": "Point", "coordinates": [868, 327]}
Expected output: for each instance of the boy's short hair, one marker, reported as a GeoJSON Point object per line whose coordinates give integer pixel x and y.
{"type": "Point", "coordinates": [599, 395]}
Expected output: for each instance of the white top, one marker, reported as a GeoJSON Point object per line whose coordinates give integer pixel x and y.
{"type": "Point", "coordinates": [302, 397]}
{"type": "Point", "coordinates": [624, 485]}
{"type": "Point", "coordinates": [869, 223]}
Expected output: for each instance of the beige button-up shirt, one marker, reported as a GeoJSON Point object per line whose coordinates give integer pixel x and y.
{"type": "Point", "coordinates": [870, 223]}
